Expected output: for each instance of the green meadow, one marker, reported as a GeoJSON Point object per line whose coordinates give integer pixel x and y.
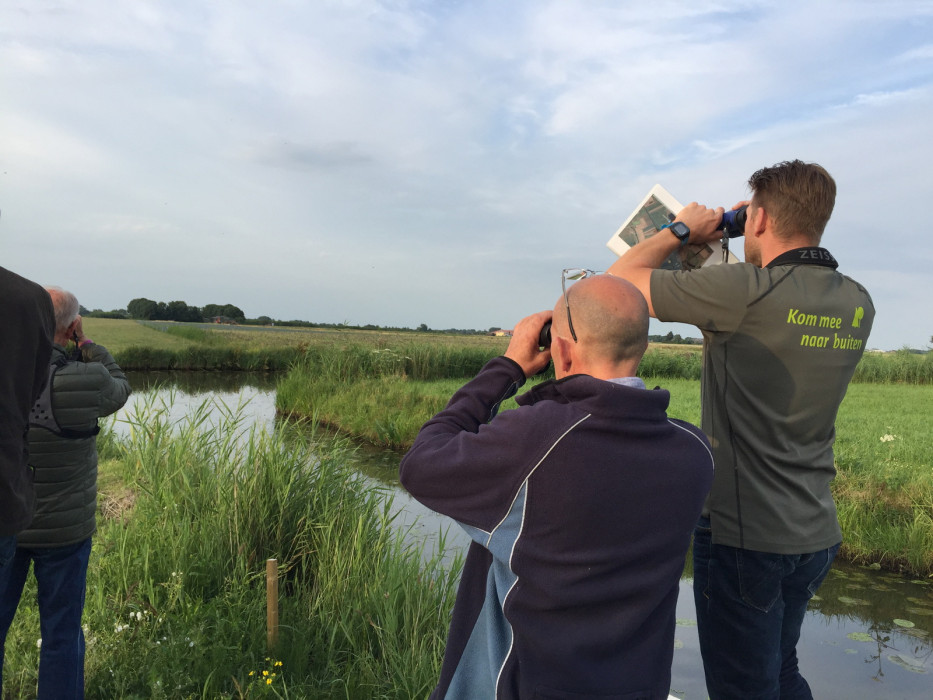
{"type": "Point", "coordinates": [382, 386]}
{"type": "Point", "coordinates": [190, 512]}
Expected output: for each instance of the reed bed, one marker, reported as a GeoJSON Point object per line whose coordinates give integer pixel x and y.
{"type": "Point", "coordinates": [901, 366]}
{"type": "Point", "coordinates": [884, 490]}
{"type": "Point", "coordinates": [176, 595]}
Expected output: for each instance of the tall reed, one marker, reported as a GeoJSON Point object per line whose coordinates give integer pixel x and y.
{"type": "Point", "coordinates": [176, 605]}
{"type": "Point", "coordinates": [900, 366]}
{"type": "Point", "coordinates": [208, 357]}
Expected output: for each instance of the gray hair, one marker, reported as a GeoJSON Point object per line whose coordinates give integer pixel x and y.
{"type": "Point", "coordinates": [66, 307]}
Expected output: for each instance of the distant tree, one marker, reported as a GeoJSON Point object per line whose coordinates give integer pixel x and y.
{"type": "Point", "coordinates": [423, 328]}
{"type": "Point", "coordinates": [264, 320]}
{"type": "Point", "coordinates": [211, 310]}
{"type": "Point", "coordinates": [494, 329]}
{"type": "Point", "coordinates": [100, 313]}
{"type": "Point", "coordinates": [180, 311]}
{"type": "Point", "coordinates": [142, 308]}
{"type": "Point", "coordinates": [234, 312]}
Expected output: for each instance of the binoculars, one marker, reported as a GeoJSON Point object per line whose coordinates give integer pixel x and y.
{"type": "Point", "coordinates": [733, 222]}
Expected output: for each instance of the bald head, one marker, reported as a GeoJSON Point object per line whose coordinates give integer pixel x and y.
{"type": "Point", "coordinates": [610, 318]}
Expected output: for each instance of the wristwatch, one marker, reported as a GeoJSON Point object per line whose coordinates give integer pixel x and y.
{"type": "Point", "coordinates": [681, 230]}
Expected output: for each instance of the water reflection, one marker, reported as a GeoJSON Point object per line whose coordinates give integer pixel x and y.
{"type": "Point", "coordinates": [868, 634]}
{"type": "Point", "coordinates": [251, 394]}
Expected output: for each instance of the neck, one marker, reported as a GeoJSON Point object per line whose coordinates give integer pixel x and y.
{"type": "Point", "coordinates": [780, 246]}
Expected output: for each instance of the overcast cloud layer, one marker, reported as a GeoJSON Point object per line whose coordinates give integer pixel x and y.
{"type": "Point", "coordinates": [403, 162]}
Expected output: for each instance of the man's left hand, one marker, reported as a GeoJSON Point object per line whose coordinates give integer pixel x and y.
{"type": "Point", "coordinates": [703, 222]}
{"type": "Point", "coordinates": [524, 349]}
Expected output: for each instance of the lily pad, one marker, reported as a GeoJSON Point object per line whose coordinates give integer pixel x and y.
{"type": "Point", "coordinates": [860, 637]}
{"type": "Point", "coordinates": [903, 623]}
{"type": "Point", "coordinates": [852, 601]}
{"type": "Point", "coordinates": [909, 664]}
{"type": "Point", "coordinates": [686, 622]}
{"type": "Point", "coordinates": [920, 611]}
{"type": "Point", "coordinates": [678, 644]}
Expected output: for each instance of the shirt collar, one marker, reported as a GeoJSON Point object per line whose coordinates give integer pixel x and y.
{"type": "Point", "coordinates": [634, 382]}
{"type": "Point", "coordinates": [811, 255]}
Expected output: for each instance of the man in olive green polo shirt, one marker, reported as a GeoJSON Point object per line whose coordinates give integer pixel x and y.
{"type": "Point", "coordinates": [783, 333]}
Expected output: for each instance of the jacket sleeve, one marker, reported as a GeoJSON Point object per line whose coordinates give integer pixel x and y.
{"type": "Point", "coordinates": [114, 388]}
{"type": "Point", "coordinates": [46, 331]}
{"type": "Point", "coordinates": [461, 464]}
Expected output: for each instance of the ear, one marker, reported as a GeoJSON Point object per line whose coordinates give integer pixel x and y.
{"type": "Point", "coordinates": [758, 223]}
{"type": "Point", "coordinates": [562, 356]}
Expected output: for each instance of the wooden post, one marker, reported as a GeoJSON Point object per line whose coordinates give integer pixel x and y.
{"type": "Point", "coordinates": [272, 604]}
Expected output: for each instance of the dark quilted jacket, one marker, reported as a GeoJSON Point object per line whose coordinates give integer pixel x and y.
{"type": "Point", "coordinates": [66, 468]}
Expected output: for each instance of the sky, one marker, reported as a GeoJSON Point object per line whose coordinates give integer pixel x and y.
{"type": "Point", "coordinates": [408, 162]}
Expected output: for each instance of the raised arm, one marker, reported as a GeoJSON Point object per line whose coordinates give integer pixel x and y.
{"type": "Point", "coordinates": [639, 261]}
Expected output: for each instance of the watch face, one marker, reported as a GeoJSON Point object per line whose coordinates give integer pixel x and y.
{"type": "Point", "coordinates": [681, 230]}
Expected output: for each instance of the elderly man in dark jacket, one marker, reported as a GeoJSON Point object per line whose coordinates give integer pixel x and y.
{"type": "Point", "coordinates": [63, 452]}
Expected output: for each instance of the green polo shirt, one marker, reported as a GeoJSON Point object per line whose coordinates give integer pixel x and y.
{"type": "Point", "coordinates": [780, 346]}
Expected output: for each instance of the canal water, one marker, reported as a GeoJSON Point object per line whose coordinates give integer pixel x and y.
{"type": "Point", "coordinates": [868, 633]}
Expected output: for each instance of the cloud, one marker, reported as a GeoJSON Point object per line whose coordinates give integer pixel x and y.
{"type": "Point", "coordinates": [404, 161]}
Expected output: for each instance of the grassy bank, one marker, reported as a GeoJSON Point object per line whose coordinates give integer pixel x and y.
{"type": "Point", "coordinates": [884, 489]}
{"type": "Point", "coordinates": [176, 590]}
{"type": "Point", "coordinates": [164, 345]}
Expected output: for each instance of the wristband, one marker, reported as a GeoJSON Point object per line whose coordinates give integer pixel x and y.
{"type": "Point", "coordinates": [86, 341]}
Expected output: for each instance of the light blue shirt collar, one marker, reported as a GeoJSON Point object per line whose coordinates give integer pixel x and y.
{"type": "Point", "coordinates": [634, 382]}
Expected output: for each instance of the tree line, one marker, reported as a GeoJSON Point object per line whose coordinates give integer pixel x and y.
{"type": "Point", "coordinates": [143, 309]}
{"type": "Point", "coordinates": [149, 310]}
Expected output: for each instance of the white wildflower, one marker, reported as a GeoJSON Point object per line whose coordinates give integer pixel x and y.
{"type": "Point", "coordinates": [888, 437]}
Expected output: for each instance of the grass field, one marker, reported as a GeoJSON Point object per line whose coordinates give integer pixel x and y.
{"type": "Point", "coordinates": [118, 335]}
{"type": "Point", "coordinates": [382, 386]}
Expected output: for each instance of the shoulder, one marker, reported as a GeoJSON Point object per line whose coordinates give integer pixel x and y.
{"type": "Point", "coordinates": [77, 374]}
{"type": "Point", "coordinates": [694, 432]}
{"type": "Point", "coordinates": [21, 293]}
{"type": "Point", "coordinates": [705, 278]}
{"type": "Point", "coordinates": [703, 295]}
